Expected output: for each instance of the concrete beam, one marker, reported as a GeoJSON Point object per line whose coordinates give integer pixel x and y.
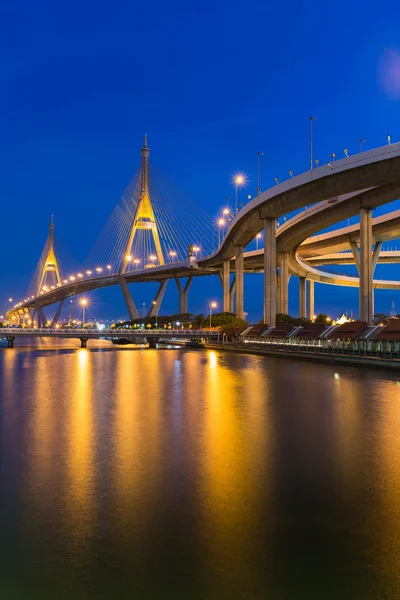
{"type": "Point", "coordinates": [375, 255]}
{"type": "Point", "coordinates": [270, 271]}
{"type": "Point", "coordinates": [232, 291]}
{"type": "Point", "coordinates": [41, 316]}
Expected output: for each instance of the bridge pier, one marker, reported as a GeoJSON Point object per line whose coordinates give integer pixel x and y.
{"type": "Point", "coordinates": [303, 296]}
{"type": "Point", "coordinates": [226, 275]}
{"type": "Point", "coordinates": [83, 342]}
{"type": "Point", "coordinates": [284, 283]}
{"type": "Point", "coordinates": [239, 268]}
{"type": "Point", "coordinates": [156, 304]}
{"type": "Point", "coordinates": [366, 272]}
{"type": "Point", "coordinates": [310, 298]}
{"type": "Point", "coordinates": [130, 305]}
{"type": "Point", "coordinates": [183, 294]}
{"type": "Point", "coordinates": [40, 313]}
{"type": "Point", "coordinates": [10, 341]}
{"type": "Point", "coordinates": [270, 271]}
{"type": "Point", "coordinates": [153, 342]}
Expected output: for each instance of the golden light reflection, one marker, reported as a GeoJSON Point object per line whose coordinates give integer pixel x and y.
{"type": "Point", "coordinates": [231, 467]}
{"type": "Point", "coordinates": [80, 492]}
{"type": "Point", "coordinates": [138, 439]}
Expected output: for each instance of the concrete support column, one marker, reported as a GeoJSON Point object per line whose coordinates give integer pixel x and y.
{"type": "Point", "coordinates": [303, 297]}
{"type": "Point", "coordinates": [284, 283]}
{"type": "Point", "coordinates": [183, 294]}
{"type": "Point", "coordinates": [83, 342]}
{"type": "Point", "coordinates": [232, 291]}
{"type": "Point", "coordinates": [270, 271]}
{"type": "Point", "coordinates": [57, 315]}
{"type": "Point", "coordinates": [226, 273]}
{"type": "Point", "coordinates": [10, 341]}
{"type": "Point", "coordinates": [156, 304]}
{"type": "Point", "coordinates": [311, 307]}
{"type": "Point", "coordinates": [41, 316]}
{"type": "Point", "coordinates": [278, 293]}
{"type": "Point", "coordinates": [130, 305]}
{"type": "Point", "coordinates": [239, 268]}
{"type": "Point", "coordinates": [366, 289]}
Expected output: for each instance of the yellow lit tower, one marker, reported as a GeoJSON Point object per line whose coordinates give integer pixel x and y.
{"type": "Point", "coordinates": [144, 216]}
{"type": "Point", "coordinates": [50, 262]}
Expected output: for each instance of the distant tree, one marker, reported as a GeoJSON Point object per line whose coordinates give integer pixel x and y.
{"type": "Point", "coordinates": [322, 318]}
{"type": "Point", "coordinates": [282, 318]}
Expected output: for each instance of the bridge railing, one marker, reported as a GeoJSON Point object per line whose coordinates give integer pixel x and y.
{"type": "Point", "coordinates": [109, 332]}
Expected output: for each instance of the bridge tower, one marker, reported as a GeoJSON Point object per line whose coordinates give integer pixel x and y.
{"type": "Point", "coordinates": [50, 264]}
{"type": "Point", "coordinates": [144, 216]}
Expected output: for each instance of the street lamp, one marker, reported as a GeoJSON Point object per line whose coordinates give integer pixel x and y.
{"type": "Point", "coordinates": [154, 304]}
{"type": "Point", "coordinates": [212, 305]}
{"type": "Point", "coordinates": [9, 303]}
{"type": "Point", "coordinates": [258, 236]}
{"type": "Point", "coordinates": [258, 173]}
{"type": "Point", "coordinates": [172, 254]}
{"type": "Point", "coordinates": [136, 261]}
{"type": "Point", "coordinates": [221, 223]}
{"type": "Point", "coordinates": [83, 304]}
{"type": "Point", "coordinates": [311, 122]}
{"type": "Point", "coordinates": [238, 180]}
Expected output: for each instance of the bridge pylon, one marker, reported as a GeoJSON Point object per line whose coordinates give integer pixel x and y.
{"type": "Point", "coordinates": [50, 263]}
{"type": "Point", "coordinates": [144, 216]}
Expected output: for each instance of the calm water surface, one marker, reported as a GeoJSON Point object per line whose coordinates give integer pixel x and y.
{"type": "Point", "coordinates": [196, 474]}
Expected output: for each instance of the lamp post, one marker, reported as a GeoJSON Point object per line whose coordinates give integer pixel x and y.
{"type": "Point", "coordinates": [154, 303]}
{"type": "Point", "coordinates": [311, 122]}
{"type": "Point", "coordinates": [212, 305]}
{"type": "Point", "coordinates": [258, 236]}
{"type": "Point", "coordinates": [239, 180]}
{"type": "Point", "coordinates": [136, 261]}
{"type": "Point", "coordinates": [83, 304]}
{"type": "Point", "coordinates": [9, 304]}
{"type": "Point", "coordinates": [258, 172]}
{"type": "Point", "coordinates": [221, 223]}
{"type": "Point", "coordinates": [361, 144]}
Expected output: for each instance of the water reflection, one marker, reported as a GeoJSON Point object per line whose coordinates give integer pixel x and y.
{"type": "Point", "coordinates": [195, 474]}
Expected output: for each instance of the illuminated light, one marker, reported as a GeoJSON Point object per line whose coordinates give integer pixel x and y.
{"type": "Point", "coordinates": [80, 275]}
{"type": "Point", "coordinates": [72, 278]}
{"type": "Point", "coordinates": [225, 211]}
{"type": "Point", "coordinates": [152, 257]}
{"type": "Point", "coordinates": [336, 376]}
{"type": "Point", "coordinates": [99, 269]}
{"type": "Point", "coordinates": [221, 222]}
{"type": "Point", "coordinates": [258, 235]}
{"type": "Point", "coordinates": [129, 257]}
{"type": "Point", "coordinates": [53, 287]}
{"type": "Point", "coordinates": [196, 248]}
{"type": "Point", "coordinates": [65, 280]}
{"type": "Point", "coordinates": [240, 179]}
{"type": "Point", "coordinates": [136, 261]}
{"type": "Point", "coordinates": [109, 267]}
{"type": "Point", "coordinates": [213, 305]}
{"type": "Point", "coordinates": [88, 272]}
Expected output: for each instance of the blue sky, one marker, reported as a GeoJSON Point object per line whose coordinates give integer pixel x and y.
{"type": "Point", "coordinates": [211, 83]}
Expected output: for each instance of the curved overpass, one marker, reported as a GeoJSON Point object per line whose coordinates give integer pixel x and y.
{"type": "Point", "coordinates": [341, 190]}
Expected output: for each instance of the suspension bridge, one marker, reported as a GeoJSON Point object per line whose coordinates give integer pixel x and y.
{"type": "Point", "coordinates": [157, 233]}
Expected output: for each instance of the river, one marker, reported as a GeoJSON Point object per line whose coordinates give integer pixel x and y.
{"type": "Point", "coordinates": [195, 474]}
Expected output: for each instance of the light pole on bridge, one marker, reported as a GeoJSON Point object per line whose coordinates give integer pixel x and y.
{"type": "Point", "coordinates": [83, 304]}
{"type": "Point", "coordinates": [311, 122]}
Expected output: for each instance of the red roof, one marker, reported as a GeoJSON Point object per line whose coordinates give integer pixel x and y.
{"type": "Point", "coordinates": [281, 330]}
{"type": "Point", "coordinates": [390, 332]}
{"type": "Point", "coordinates": [257, 330]}
{"type": "Point", "coordinates": [311, 330]}
{"type": "Point", "coordinates": [349, 331]}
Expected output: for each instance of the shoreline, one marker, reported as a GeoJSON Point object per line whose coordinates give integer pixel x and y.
{"type": "Point", "coordinates": [391, 364]}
